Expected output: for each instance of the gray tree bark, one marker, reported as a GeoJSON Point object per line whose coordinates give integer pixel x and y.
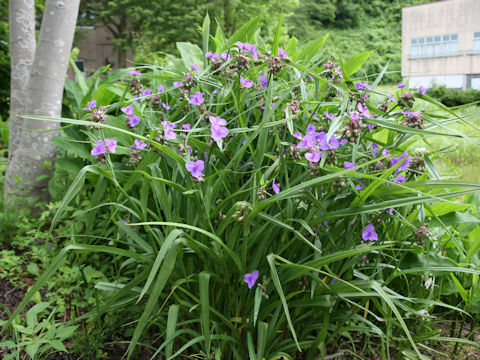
{"type": "Point", "coordinates": [22, 50]}
{"type": "Point", "coordinates": [43, 97]}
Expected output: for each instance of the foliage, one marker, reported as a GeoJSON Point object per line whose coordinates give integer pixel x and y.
{"type": "Point", "coordinates": [36, 337]}
{"type": "Point", "coordinates": [454, 97]}
{"type": "Point", "coordinates": [356, 26]}
{"type": "Point", "coordinates": [142, 30]}
{"type": "Point", "coordinates": [297, 175]}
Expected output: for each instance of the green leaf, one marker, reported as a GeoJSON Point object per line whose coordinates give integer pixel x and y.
{"type": "Point", "coordinates": [204, 279]}
{"type": "Point", "coordinates": [353, 64]}
{"type": "Point", "coordinates": [278, 287]}
{"type": "Point", "coordinates": [246, 32]}
{"type": "Point", "coordinates": [311, 50]}
{"type": "Point", "coordinates": [190, 54]}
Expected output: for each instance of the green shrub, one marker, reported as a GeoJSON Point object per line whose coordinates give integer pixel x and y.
{"type": "Point", "coordinates": [454, 97]}
{"type": "Point", "coordinates": [256, 204]}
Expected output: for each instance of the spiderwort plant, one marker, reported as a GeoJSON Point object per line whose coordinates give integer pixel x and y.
{"type": "Point", "coordinates": [202, 214]}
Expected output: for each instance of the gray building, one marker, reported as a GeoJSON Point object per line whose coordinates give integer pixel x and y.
{"type": "Point", "coordinates": [441, 44]}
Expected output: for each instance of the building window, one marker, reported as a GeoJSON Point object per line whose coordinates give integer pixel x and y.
{"type": "Point", "coordinates": [476, 42]}
{"type": "Point", "coordinates": [435, 46]}
{"type": "Point", "coordinates": [81, 66]}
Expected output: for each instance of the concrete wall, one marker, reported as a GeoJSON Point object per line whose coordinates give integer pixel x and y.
{"type": "Point", "coordinates": [460, 17]}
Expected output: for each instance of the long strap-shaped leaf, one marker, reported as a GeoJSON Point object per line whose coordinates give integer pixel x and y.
{"type": "Point", "coordinates": [278, 286]}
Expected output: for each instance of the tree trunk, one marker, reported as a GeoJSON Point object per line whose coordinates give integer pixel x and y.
{"type": "Point", "coordinates": [22, 50]}
{"type": "Point", "coordinates": [44, 97]}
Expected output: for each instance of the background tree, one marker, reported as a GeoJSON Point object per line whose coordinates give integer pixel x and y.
{"type": "Point", "coordinates": [143, 28]}
{"type": "Point", "coordinates": [37, 77]}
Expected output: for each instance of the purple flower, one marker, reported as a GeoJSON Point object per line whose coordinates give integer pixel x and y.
{"type": "Point", "coordinates": [364, 111]}
{"type": "Point", "coordinates": [385, 152]}
{"type": "Point", "coordinates": [391, 97]}
{"type": "Point", "coordinates": [362, 86]}
{"type": "Point", "coordinates": [422, 90]}
{"type": "Point", "coordinates": [139, 145]}
{"type": "Point", "coordinates": [218, 121]}
{"type": "Point", "coordinates": [111, 144]}
{"type": "Point", "coordinates": [336, 281]}
{"type": "Point", "coordinates": [186, 126]}
{"type": "Point", "coordinates": [133, 120]}
{"type": "Point", "coordinates": [275, 187]}
{"type": "Point", "coordinates": [196, 99]}
{"type": "Point", "coordinates": [314, 156]}
{"type": "Point", "coordinates": [99, 149]}
{"type": "Point", "coordinates": [263, 81]}
{"type": "Point", "coordinates": [210, 55]}
{"type": "Point", "coordinates": [166, 106]}
{"type": "Point", "coordinates": [168, 131]}
{"type": "Point", "coordinates": [400, 179]}
{"type": "Point", "coordinates": [161, 88]}
{"type": "Point", "coordinates": [349, 165]}
{"type": "Point", "coordinates": [401, 85]}
{"type": "Point", "coordinates": [359, 187]}
{"type": "Point", "coordinates": [195, 168]}
{"type": "Point", "coordinates": [331, 144]}
{"type": "Point", "coordinates": [329, 116]}
{"type": "Point", "coordinates": [390, 211]}
{"type": "Point", "coordinates": [225, 56]}
{"type": "Point", "coordinates": [297, 136]}
{"type": "Point", "coordinates": [91, 105]}
{"type": "Point", "coordinates": [127, 110]}
{"type": "Point", "coordinates": [245, 82]}
{"type": "Point", "coordinates": [194, 67]}
{"type": "Point", "coordinates": [311, 128]}
{"type": "Point", "coordinates": [369, 233]}
{"type": "Point", "coordinates": [282, 54]}
{"type": "Point", "coordinates": [251, 278]}
{"type": "Point", "coordinates": [355, 116]}
{"type": "Point", "coordinates": [146, 92]}
{"type": "Point", "coordinates": [134, 72]}
{"type": "Point", "coordinates": [177, 84]}
{"type": "Point", "coordinates": [215, 92]}
{"type": "Point", "coordinates": [218, 132]}
{"type": "Point", "coordinates": [405, 162]}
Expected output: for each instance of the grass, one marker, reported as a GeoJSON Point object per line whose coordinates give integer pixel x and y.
{"type": "Point", "coordinates": [455, 158]}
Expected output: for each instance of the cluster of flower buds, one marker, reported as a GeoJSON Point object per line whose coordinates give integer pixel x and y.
{"type": "Point", "coordinates": [242, 211]}
{"type": "Point", "coordinates": [188, 81]}
{"type": "Point", "coordinates": [421, 234]}
{"type": "Point", "coordinates": [294, 152]}
{"type": "Point", "coordinates": [262, 193]}
{"type": "Point", "coordinates": [275, 65]}
{"type": "Point", "coordinates": [338, 184]}
{"type": "Point", "coordinates": [136, 87]}
{"type": "Point", "coordinates": [414, 119]}
{"type": "Point", "coordinates": [134, 157]}
{"type": "Point", "coordinates": [333, 72]}
{"type": "Point", "coordinates": [383, 106]}
{"type": "Point", "coordinates": [417, 164]}
{"type": "Point", "coordinates": [99, 117]}
{"type": "Point", "coordinates": [314, 169]}
{"type": "Point", "coordinates": [292, 108]}
{"type": "Point", "coordinates": [406, 100]}
{"type": "Point", "coordinates": [241, 62]}
{"type": "Point", "coordinates": [353, 130]}
{"type": "Point", "coordinates": [331, 157]}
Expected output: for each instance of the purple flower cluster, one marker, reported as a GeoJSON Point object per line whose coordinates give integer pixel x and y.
{"type": "Point", "coordinates": [102, 148]}
{"type": "Point", "coordinates": [131, 118]}
{"type": "Point", "coordinates": [218, 130]}
{"type": "Point", "coordinates": [315, 142]}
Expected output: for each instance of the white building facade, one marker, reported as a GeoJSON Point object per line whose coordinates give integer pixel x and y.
{"type": "Point", "coordinates": [441, 44]}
